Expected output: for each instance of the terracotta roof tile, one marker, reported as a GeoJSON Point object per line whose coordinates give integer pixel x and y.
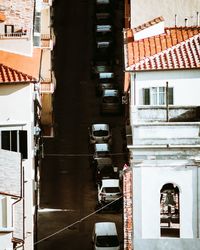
{"type": "Point", "coordinates": [178, 47]}
{"type": "Point", "coordinates": [10, 75]}
{"type": "Point", "coordinates": [23, 63]}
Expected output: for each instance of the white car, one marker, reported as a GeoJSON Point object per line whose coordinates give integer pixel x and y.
{"type": "Point", "coordinates": [108, 191]}
{"type": "Point", "coordinates": [100, 133]}
{"type": "Point", "coordinates": [101, 150]}
{"type": "Point", "coordinates": [105, 237]}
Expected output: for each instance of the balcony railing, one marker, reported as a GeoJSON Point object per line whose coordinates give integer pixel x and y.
{"type": "Point", "coordinates": [160, 114]}
{"type": "Point", "coordinates": [46, 41]}
{"type": "Point", "coordinates": [47, 87]}
{"type": "Point", "coordinates": [15, 35]}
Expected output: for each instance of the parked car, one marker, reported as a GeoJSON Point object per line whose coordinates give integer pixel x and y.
{"type": "Point", "coordinates": [101, 66]}
{"type": "Point", "coordinates": [105, 172]}
{"type": "Point", "coordinates": [103, 6]}
{"type": "Point", "coordinates": [100, 133]}
{"type": "Point", "coordinates": [109, 190]}
{"type": "Point", "coordinates": [105, 236]}
{"type": "Point", "coordinates": [111, 102]}
{"type": "Point", "coordinates": [104, 18]}
{"type": "Point", "coordinates": [101, 162]}
{"type": "Point", "coordinates": [105, 80]}
{"type": "Point", "coordinates": [101, 150]}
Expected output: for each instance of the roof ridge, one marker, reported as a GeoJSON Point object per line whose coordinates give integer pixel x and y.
{"type": "Point", "coordinates": [169, 49]}
{"type": "Point", "coordinates": [194, 60]}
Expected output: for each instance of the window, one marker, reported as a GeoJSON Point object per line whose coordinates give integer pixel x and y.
{"type": "Point", "coordinates": [169, 211]}
{"type": "Point", "coordinates": [5, 214]}
{"type": "Point", "coordinates": [15, 140]}
{"type": "Point", "coordinates": [9, 29]}
{"type": "Point", "coordinates": [157, 96]}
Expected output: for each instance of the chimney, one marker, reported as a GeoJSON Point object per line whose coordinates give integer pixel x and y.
{"type": "Point", "coordinates": [151, 28]}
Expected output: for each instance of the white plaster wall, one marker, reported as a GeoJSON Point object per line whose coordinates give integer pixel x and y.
{"type": "Point", "coordinates": [17, 46]}
{"type": "Point", "coordinates": [16, 106]}
{"type": "Point", "coordinates": [17, 103]}
{"type": "Point", "coordinates": [186, 84]}
{"type": "Point", "coordinates": [147, 182]}
{"type": "Point", "coordinates": [6, 241]}
{"type": "Point", "coordinates": [143, 11]}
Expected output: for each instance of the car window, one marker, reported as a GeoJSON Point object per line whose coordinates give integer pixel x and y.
{"type": "Point", "coordinates": [100, 133]}
{"type": "Point", "coordinates": [107, 241]}
{"type": "Point", "coordinates": [111, 190]}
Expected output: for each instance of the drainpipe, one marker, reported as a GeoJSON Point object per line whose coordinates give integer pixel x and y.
{"type": "Point", "coordinates": [167, 101]}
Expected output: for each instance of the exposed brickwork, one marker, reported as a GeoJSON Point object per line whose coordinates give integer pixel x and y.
{"type": "Point", "coordinates": [19, 13]}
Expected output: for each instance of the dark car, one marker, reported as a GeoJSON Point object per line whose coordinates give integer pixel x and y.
{"type": "Point", "coordinates": [105, 80]}
{"type": "Point", "coordinates": [105, 172]}
{"type": "Point", "coordinates": [102, 6]}
{"type": "Point", "coordinates": [111, 102]}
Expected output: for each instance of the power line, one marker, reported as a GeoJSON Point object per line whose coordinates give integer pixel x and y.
{"type": "Point", "coordinates": [80, 155]}
{"type": "Point", "coordinates": [76, 222]}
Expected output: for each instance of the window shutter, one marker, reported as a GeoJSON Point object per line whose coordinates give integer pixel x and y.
{"type": "Point", "coordinates": [23, 147]}
{"type": "Point", "coordinates": [170, 96]}
{"type": "Point", "coordinates": [146, 96]}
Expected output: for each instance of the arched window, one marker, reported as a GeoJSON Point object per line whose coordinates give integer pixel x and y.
{"type": "Point", "coordinates": [169, 211]}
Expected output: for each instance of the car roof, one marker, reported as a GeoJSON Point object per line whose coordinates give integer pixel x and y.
{"type": "Point", "coordinates": [104, 161]}
{"type": "Point", "coordinates": [106, 75]}
{"type": "Point", "coordinates": [102, 126]}
{"type": "Point", "coordinates": [101, 147]}
{"type": "Point", "coordinates": [105, 228]}
{"type": "Point", "coordinates": [103, 27]}
{"type": "Point", "coordinates": [110, 92]}
{"type": "Point", "coordinates": [110, 183]}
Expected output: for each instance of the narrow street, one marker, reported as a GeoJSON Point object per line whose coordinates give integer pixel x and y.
{"type": "Point", "coordinates": [68, 196]}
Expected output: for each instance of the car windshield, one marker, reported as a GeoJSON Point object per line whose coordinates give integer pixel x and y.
{"type": "Point", "coordinates": [107, 241]}
{"type": "Point", "coordinates": [111, 99]}
{"type": "Point", "coordinates": [100, 133]}
{"type": "Point", "coordinates": [111, 190]}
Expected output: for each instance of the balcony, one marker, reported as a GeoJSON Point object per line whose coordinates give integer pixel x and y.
{"type": "Point", "coordinates": [147, 114]}
{"type": "Point", "coordinates": [46, 87]}
{"type": "Point", "coordinates": [46, 41]}
{"type": "Point", "coordinates": [18, 34]}
{"type": "Point", "coordinates": [174, 134]}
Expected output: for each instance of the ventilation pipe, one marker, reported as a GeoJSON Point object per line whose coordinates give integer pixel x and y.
{"type": "Point", "coordinates": [175, 20]}
{"type": "Point", "coordinates": [197, 18]}
{"type": "Point", "coordinates": [186, 22]}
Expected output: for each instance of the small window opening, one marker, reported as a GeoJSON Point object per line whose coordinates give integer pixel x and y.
{"type": "Point", "coordinates": [169, 211]}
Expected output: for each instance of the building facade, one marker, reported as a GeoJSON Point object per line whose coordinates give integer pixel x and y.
{"type": "Point", "coordinates": [163, 134]}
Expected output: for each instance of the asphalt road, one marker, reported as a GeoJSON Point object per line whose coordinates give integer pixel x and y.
{"type": "Point", "coordinates": [68, 196]}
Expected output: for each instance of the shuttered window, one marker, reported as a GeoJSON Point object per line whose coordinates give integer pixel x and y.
{"type": "Point", "coordinates": [157, 96]}
{"type": "Point", "coordinates": [15, 140]}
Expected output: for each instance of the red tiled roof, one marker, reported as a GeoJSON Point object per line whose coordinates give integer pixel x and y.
{"type": "Point", "coordinates": [177, 48]}
{"type": "Point", "coordinates": [26, 64]}
{"type": "Point", "coordinates": [10, 75]}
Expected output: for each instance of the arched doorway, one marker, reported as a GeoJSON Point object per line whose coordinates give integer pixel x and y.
{"type": "Point", "coordinates": [169, 211]}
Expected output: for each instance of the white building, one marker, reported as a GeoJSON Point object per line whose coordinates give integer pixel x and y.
{"type": "Point", "coordinates": [175, 12]}
{"type": "Point", "coordinates": [19, 112]}
{"type": "Point", "coordinates": [164, 139]}
{"type": "Point", "coordinates": [11, 199]}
